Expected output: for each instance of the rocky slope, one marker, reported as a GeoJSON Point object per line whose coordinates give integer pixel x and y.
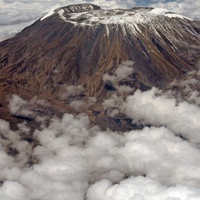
{"type": "Point", "coordinates": [75, 46]}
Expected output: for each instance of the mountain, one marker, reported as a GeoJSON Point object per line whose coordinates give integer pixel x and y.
{"type": "Point", "coordinates": [72, 58]}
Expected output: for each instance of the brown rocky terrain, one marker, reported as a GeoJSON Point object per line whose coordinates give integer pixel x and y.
{"type": "Point", "coordinates": [63, 58]}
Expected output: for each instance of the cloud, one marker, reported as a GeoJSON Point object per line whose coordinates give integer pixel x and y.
{"type": "Point", "coordinates": [13, 190]}
{"type": "Point", "coordinates": [150, 108]}
{"type": "Point", "coordinates": [71, 91]}
{"type": "Point", "coordinates": [18, 14]}
{"type": "Point", "coordinates": [19, 107]}
{"type": "Point", "coordinates": [74, 160]}
{"type": "Point", "coordinates": [113, 84]}
{"type": "Point", "coordinates": [82, 105]}
{"type": "Point", "coordinates": [186, 7]}
{"type": "Point", "coordinates": [124, 70]}
{"type": "Point", "coordinates": [187, 89]}
{"type": "Point", "coordinates": [151, 189]}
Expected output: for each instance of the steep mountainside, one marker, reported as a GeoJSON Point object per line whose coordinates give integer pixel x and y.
{"type": "Point", "coordinates": [77, 45]}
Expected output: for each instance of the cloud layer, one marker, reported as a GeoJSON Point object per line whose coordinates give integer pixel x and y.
{"type": "Point", "coordinates": [70, 159]}
{"type": "Point", "coordinates": [14, 16]}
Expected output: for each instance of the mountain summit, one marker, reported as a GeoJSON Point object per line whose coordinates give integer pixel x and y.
{"type": "Point", "coordinates": [82, 46]}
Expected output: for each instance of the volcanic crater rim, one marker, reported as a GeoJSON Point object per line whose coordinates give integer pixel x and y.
{"type": "Point", "coordinates": [90, 14]}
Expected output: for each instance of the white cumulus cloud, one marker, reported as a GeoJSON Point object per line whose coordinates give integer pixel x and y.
{"type": "Point", "coordinates": [74, 160]}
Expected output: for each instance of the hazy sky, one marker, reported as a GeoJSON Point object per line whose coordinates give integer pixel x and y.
{"type": "Point", "coordinates": [15, 15]}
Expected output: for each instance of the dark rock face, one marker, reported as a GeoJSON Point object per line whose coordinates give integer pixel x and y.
{"type": "Point", "coordinates": [77, 44]}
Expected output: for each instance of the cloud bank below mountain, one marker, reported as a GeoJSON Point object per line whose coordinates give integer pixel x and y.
{"type": "Point", "coordinates": [71, 159]}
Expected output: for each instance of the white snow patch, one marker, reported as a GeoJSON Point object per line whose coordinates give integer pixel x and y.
{"type": "Point", "coordinates": [47, 15]}
{"type": "Point", "coordinates": [171, 15]}
{"type": "Point", "coordinates": [104, 17]}
{"type": "Point", "coordinates": [167, 13]}
{"type": "Point", "coordinates": [159, 11]}
{"type": "Point", "coordinates": [61, 14]}
{"type": "Point", "coordinates": [131, 19]}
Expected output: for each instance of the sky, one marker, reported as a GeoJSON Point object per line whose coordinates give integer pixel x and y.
{"type": "Point", "coordinates": [16, 15]}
